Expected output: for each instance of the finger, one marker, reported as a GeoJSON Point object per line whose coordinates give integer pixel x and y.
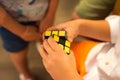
{"type": "Point", "coordinates": [71, 36]}
{"type": "Point", "coordinates": [47, 47]}
{"type": "Point", "coordinates": [43, 52]}
{"type": "Point", "coordinates": [53, 44]}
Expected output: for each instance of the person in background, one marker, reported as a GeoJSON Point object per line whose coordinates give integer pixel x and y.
{"type": "Point", "coordinates": [23, 21]}
{"type": "Point", "coordinates": [93, 9]}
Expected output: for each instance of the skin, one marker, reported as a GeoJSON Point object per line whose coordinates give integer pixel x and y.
{"type": "Point", "coordinates": [48, 20]}
{"type": "Point", "coordinates": [61, 66]}
{"type": "Point", "coordinates": [96, 29]}
{"type": "Point", "coordinates": [28, 33]}
{"type": "Point", "coordinates": [63, 70]}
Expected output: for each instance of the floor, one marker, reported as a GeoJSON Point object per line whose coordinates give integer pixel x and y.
{"type": "Point", "coordinates": [7, 70]}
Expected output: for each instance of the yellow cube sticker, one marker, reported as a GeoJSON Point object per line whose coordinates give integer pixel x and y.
{"type": "Point", "coordinates": [67, 49]}
{"type": "Point", "coordinates": [60, 38]}
{"type": "Point", "coordinates": [61, 33]}
{"type": "Point", "coordinates": [56, 38]}
{"type": "Point", "coordinates": [48, 33]}
{"type": "Point", "coordinates": [67, 43]}
{"type": "Point", "coordinates": [54, 32]}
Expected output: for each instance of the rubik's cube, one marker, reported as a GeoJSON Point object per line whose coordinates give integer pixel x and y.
{"type": "Point", "coordinates": [61, 38]}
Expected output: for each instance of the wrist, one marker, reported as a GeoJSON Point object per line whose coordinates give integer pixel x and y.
{"type": "Point", "coordinates": [81, 26]}
{"type": "Point", "coordinates": [76, 76]}
{"type": "Point", "coordinates": [72, 76]}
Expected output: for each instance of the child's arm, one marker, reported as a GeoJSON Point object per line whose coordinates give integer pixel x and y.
{"type": "Point", "coordinates": [48, 20]}
{"type": "Point", "coordinates": [9, 23]}
{"type": "Point", "coordinates": [95, 29]}
{"type": "Point", "coordinates": [26, 33]}
{"type": "Point", "coordinates": [52, 8]}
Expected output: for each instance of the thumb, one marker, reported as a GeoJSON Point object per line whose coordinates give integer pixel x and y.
{"type": "Point", "coordinates": [70, 38]}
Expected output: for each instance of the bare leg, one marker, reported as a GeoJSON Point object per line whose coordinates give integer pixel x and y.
{"type": "Point", "coordinates": [20, 62]}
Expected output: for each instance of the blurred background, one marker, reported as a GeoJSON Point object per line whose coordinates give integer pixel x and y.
{"type": "Point", "coordinates": [7, 70]}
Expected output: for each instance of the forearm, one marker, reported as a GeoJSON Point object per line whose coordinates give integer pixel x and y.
{"type": "Point", "coordinates": [72, 76]}
{"type": "Point", "coordinates": [53, 4]}
{"type": "Point", "coordinates": [95, 29]}
{"type": "Point", "coordinates": [10, 24]}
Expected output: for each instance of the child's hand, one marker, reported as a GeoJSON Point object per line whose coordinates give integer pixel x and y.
{"type": "Point", "coordinates": [30, 34]}
{"type": "Point", "coordinates": [71, 27]}
{"type": "Point", "coordinates": [60, 65]}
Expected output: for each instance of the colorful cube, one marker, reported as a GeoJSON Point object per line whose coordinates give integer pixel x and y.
{"type": "Point", "coordinates": [60, 38]}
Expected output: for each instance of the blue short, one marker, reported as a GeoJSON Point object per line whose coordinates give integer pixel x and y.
{"type": "Point", "coordinates": [11, 42]}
